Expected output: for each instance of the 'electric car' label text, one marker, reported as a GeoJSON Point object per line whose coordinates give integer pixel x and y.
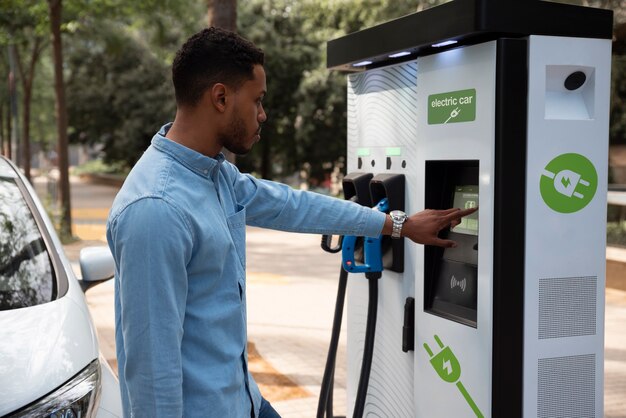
{"type": "Point", "coordinates": [452, 107]}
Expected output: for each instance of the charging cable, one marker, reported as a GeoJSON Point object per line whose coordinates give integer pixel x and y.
{"type": "Point", "coordinates": [372, 267]}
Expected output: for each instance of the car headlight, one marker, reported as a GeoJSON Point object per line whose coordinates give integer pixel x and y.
{"type": "Point", "coordinates": [77, 398]}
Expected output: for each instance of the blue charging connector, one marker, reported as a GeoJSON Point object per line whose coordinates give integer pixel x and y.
{"type": "Point", "coordinates": [372, 267]}
{"type": "Point", "coordinates": [372, 250]}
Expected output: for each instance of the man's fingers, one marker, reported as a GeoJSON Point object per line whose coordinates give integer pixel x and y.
{"type": "Point", "coordinates": [446, 243]}
{"type": "Point", "coordinates": [449, 211]}
{"type": "Point", "coordinates": [457, 214]}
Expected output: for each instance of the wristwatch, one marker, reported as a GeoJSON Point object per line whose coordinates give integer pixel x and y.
{"type": "Point", "coordinates": [398, 218]}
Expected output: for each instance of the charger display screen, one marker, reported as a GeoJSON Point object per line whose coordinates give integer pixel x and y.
{"type": "Point", "coordinates": [466, 197]}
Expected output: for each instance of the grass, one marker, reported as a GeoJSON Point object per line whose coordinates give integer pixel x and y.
{"type": "Point", "coordinates": [616, 233]}
{"type": "Point", "coordinates": [98, 166]}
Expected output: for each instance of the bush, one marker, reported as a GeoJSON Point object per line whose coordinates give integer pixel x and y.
{"type": "Point", "coordinates": [100, 167]}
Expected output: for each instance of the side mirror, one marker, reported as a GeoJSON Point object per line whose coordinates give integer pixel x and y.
{"type": "Point", "coordinates": [96, 266]}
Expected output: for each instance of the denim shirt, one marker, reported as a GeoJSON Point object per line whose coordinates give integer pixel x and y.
{"type": "Point", "coordinates": [177, 233]}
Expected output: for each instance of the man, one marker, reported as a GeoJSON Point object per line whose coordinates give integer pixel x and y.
{"type": "Point", "coordinates": [177, 232]}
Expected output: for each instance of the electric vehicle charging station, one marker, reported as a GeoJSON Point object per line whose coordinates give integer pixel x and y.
{"type": "Point", "coordinates": [503, 105]}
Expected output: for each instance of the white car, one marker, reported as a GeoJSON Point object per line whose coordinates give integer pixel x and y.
{"type": "Point", "coordinates": [50, 364]}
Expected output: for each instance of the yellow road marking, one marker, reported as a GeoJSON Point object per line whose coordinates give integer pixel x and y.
{"type": "Point", "coordinates": [90, 213]}
{"type": "Point", "coordinates": [90, 232]}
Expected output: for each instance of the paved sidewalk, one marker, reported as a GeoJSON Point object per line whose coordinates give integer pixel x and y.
{"type": "Point", "coordinates": [292, 286]}
{"type": "Point", "coordinates": [290, 319]}
{"type": "Point", "coordinates": [615, 354]}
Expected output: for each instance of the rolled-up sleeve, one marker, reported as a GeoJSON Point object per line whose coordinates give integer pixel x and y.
{"type": "Point", "coordinates": [278, 206]}
{"type": "Point", "coordinates": [152, 246]}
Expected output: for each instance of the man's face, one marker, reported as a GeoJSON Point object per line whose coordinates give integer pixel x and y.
{"type": "Point", "coordinates": [247, 114]}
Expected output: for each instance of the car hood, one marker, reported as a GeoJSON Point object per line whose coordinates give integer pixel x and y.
{"type": "Point", "coordinates": [42, 347]}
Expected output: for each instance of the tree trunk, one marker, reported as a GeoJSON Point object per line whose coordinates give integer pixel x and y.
{"type": "Point", "coordinates": [12, 104]}
{"type": "Point", "coordinates": [223, 14]}
{"type": "Point", "coordinates": [2, 137]}
{"type": "Point", "coordinates": [27, 86]}
{"type": "Point", "coordinates": [7, 143]}
{"type": "Point", "coordinates": [55, 8]}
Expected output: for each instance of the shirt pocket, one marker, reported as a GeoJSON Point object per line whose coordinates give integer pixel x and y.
{"type": "Point", "coordinates": [237, 228]}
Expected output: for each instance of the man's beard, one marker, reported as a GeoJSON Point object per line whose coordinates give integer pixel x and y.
{"type": "Point", "coordinates": [236, 139]}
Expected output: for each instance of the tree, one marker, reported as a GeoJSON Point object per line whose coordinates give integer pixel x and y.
{"type": "Point", "coordinates": [119, 88]}
{"type": "Point", "coordinates": [24, 29]}
{"type": "Point", "coordinates": [222, 14]}
{"type": "Point", "coordinates": [275, 26]}
{"type": "Point", "coordinates": [306, 104]}
{"type": "Point", "coordinates": [12, 104]}
{"type": "Point", "coordinates": [56, 9]}
{"type": "Point", "coordinates": [118, 92]}
{"type": "Point", "coordinates": [27, 76]}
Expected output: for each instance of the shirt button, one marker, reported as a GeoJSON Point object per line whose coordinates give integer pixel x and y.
{"type": "Point", "coordinates": [206, 171]}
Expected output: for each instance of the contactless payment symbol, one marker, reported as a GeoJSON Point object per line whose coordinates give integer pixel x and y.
{"type": "Point", "coordinates": [568, 183]}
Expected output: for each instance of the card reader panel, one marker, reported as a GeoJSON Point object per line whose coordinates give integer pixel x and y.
{"type": "Point", "coordinates": [451, 274]}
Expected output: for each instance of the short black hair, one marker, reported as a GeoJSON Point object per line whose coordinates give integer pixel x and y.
{"type": "Point", "coordinates": [212, 56]}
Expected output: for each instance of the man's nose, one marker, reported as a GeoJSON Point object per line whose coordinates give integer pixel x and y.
{"type": "Point", "coordinates": [262, 115]}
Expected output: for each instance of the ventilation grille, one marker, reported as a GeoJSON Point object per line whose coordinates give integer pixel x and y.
{"type": "Point", "coordinates": [567, 307]}
{"type": "Point", "coordinates": [566, 387]}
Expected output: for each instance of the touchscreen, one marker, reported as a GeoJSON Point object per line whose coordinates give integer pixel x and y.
{"type": "Point", "coordinates": [466, 197]}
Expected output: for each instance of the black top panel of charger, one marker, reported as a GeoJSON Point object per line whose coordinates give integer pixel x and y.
{"type": "Point", "coordinates": [468, 22]}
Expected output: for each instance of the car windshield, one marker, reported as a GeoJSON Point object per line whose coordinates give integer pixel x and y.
{"type": "Point", "coordinates": [26, 275]}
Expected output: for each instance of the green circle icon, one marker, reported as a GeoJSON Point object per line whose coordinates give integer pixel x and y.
{"type": "Point", "coordinates": [568, 183]}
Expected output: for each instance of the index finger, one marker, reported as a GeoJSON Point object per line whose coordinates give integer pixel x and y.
{"type": "Point", "coordinates": [459, 214]}
{"type": "Point", "coordinates": [449, 211]}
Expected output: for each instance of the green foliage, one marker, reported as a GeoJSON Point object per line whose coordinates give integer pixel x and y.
{"type": "Point", "coordinates": [42, 123]}
{"type": "Point", "coordinates": [616, 234]}
{"type": "Point", "coordinates": [118, 55]}
{"type": "Point", "coordinates": [306, 104]}
{"type": "Point", "coordinates": [118, 92]}
{"type": "Point", "coordinates": [20, 20]}
{"type": "Point", "coordinates": [98, 166]}
{"type": "Point", "coordinates": [276, 27]}
{"type": "Point", "coordinates": [24, 28]}
{"type": "Point", "coordinates": [146, 25]}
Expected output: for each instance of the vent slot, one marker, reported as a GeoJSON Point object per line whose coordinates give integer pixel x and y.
{"type": "Point", "coordinates": [567, 307]}
{"type": "Point", "coordinates": [566, 387]}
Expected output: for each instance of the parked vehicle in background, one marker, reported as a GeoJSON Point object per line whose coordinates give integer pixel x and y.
{"type": "Point", "coordinates": [50, 364]}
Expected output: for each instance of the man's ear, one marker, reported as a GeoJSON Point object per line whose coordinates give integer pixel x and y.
{"type": "Point", "coordinates": [218, 94]}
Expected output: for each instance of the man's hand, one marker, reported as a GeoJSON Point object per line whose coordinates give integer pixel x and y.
{"type": "Point", "coordinates": [424, 227]}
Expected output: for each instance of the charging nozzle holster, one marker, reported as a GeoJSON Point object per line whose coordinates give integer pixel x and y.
{"type": "Point", "coordinates": [356, 187]}
{"type": "Point", "coordinates": [369, 190]}
{"type": "Point", "coordinates": [392, 188]}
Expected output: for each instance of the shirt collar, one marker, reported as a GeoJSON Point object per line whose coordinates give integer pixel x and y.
{"type": "Point", "coordinates": [193, 160]}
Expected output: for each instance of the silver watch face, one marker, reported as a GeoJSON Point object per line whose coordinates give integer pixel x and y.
{"type": "Point", "coordinates": [398, 216]}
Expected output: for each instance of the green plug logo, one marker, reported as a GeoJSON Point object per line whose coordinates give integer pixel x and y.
{"type": "Point", "coordinates": [568, 183]}
{"type": "Point", "coordinates": [448, 368]}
